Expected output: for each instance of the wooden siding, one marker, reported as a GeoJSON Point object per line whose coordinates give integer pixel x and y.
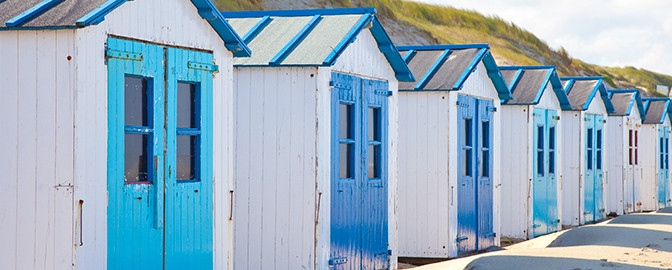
{"type": "Point", "coordinates": [423, 174]}
{"type": "Point", "coordinates": [648, 150]}
{"type": "Point", "coordinates": [36, 150]}
{"type": "Point", "coordinates": [549, 100]}
{"type": "Point", "coordinates": [572, 131]}
{"type": "Point", "coordinates": [617, 164]}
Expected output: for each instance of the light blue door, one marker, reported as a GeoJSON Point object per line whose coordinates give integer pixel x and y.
{"type": "Point", "coordinates": [599, 168]}
{"type": "Point", "coordinates": [159, 157]}
{"type": "Point", "coordinates": [663, 167]}
{"type": "Point", "coordinates": [474, 191]}
{"type": "Point", "coordinates": [359, 174]}
{"type": "Point", "coordinates": [544, 186]}
{"type": "Point", "coordinates": [589, 175]}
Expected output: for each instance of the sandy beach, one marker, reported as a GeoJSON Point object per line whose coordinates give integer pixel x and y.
{"type": "Point", "coordinates": [634, 241]}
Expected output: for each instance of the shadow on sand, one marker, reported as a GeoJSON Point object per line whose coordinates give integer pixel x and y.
{"type": "Point", "coordinates": [532, 262]}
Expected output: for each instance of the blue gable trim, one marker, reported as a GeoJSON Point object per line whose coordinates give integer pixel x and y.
{"type": "Point", "coordinates": [559, 92]}
{"type": "Point", "coordinates": [295, 41]}
{"type": "Point", "coordinates": [401, 70]}
{"type": "Point", "coordinates": [599, 88]}
{"type": "Point", "coordinates": [667, 112]}
{"type": "Point", "coordinates": [496, 76]}
{"type": "Point", "coordinates": [551, 77]}
{"type": "Point", "coordinates": [443, 47]}
{"type": "Point", "coordinates": [298, 12]}
{"type": "Point", "coordinates": [635, 99]}
{"type": "Point", "coordinates": [98, 15]}
{"type": "Point", "coordinates": [432, 70]}
{"type": "Point", "coordinates": [460, 82]}
{"type": "Point", "coordinates": [349, 38]}
{"type": "Point", "coordinates": [30, 13]}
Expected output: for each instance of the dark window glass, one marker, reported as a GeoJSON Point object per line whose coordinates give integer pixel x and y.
{"type": "Point", "coordinates": [598, 163]}
{"type": "Point", "coordinates": [590, 159]}
{"type": "Point", "coordinates": [630, 155]}
{"type": "Point", "coordinates": [186, 157]}
{"type": "Point", "coordinates": [345, 121]}
{"type": "Point", "coordinates": [135, 155]}
{"type": "Point", "coordinates": [599, 139]}
{"type": "Point", "coordinates": [135, 102]}
{"type": "Point", "coordinates": [551, 150]}
{"type": "Point", "coordinates": [630, 144]}
{"type": "Point", "coordinates": [374, 161]}
{"type": "Point", "coordinates": [467, 132]}
{"type": "Point", "coordinates": [636, 140]}
{"type": "Point", "coordinates": [636, 148]}
{"type": "Point", "coordinates": [667, 153]}
{"type": "Point", "coordinates": [485, 134]}
{"type": "Point", "coordinates": [540, 150]}
{"type": "Point", "coordinates": [345, 162]}
{"type": "Point", "coordinates": [374, 124]}
{"type": "Point", "coordinates": [467, 162]}
{"type": "Point", "coordinates": [485, 152]}
{"type": "Point", "coordinates": [186, 105]}
{"type": "Point", "coordinates": [589, 139]}
{"type": "Point", "coordinates": [467, 148]}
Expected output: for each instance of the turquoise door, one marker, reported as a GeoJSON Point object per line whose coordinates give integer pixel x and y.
{"type": "Point", "coordinates": [599, 168]}
{"type": "Point", "coordinates": [663, 167]}
{"type": "Point", "coordinates": [359, 238]}
{"type": "Point", "coordinates": [594, 174]}
{"type": "Point", "coordinates": [544, 186]}
{"type": "Point", "coordinates": [159, 157]}
{"type": "Point", "coordinates": [474, 191]}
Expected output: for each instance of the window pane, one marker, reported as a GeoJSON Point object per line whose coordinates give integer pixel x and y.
{"type": "Point", "coordinates": [589, 139]}
{"type": "Point", "coordinates": [345, 123]}
{"type": "Point", "coordinates": [374, 161]}
{"type": "Point", "coordinates": [467, 132]}
{"type": "Point", "coordinates": [186, 105]}
{"type": "Point", "coordinates": [135, 101]}
{"type": "Point", "coordinates": [485, 169]}
{"type": "Point", "coordinates": [599, 139]}
{"type": "Point", "coordinates": [630, 138]}
{"type": "Point", "coordinates": [630, 156]}
{"type": "Point", "coordinates": [186, 157]}
{"type": "Point", "coordinates": [599, 159]}
{"type": "Point", "coordinates": [636, 140]}
{"type": "Point", "coordinates": [374, 124]}
{"type": "Point", "coordinates": [551, 161]}
{"type": "Point", "coordinates": [540, 138]}
{"type": "Point", "coordinates": [540, 150]}
{"type": "Point", "coordinates": [551, 138]}
{"type": "Point", "coordinates": [590, 159]}
{"type": "Point", "coordinates": [485, 129]}
{"type": "Point", "coordinates": [135, 155]}
{"type": "Point", "coordinates": [345, 162]}
{"type": "Point", "coordinates": [636, 156]}
{"type": "Point", "coordinates": [466, 169]}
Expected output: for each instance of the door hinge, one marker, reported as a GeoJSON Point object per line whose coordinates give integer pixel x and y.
{"type": "Point", "coordinates": [340, 85]}
{"type": "Point", "coordinates": [460, 103]}
{"type": "Point", "coordinates": [123, 55]}
{"type": "Point", "coordinates": [203, 66]}
{"type": "Point", "coordinates": [535, 226]}
{"type": "Point", "coordinates": [492, 109]}
{"type": "Point", "coordinates": [556, 117]}
{"type": "Point", "coordinates": [383, 92]}
{"type": "Point", "coordinates": [492, 234]}
{"type": "Point", "coordinates": [460, 239]}
{"type": "Point", "coordinates": [338, 261]}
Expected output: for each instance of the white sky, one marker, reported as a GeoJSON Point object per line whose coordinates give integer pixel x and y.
{"type": "Point", "coordinates": [605, 32]}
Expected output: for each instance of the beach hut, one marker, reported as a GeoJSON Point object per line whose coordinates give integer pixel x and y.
{"type": "Point", "coordinates": [316, 140]}
{"type": "Point", "coordinates": [625, 170]}
{"type": "Point", "coordinates": [449, 141]}
{"type": "Point", "coordinates": [109, 111]}
{"type": "Point", "coordinates": [531, 151]}
{"type": "Point", "coordinates": [584, 139]}
{"type": "Point", "coordinates": [654, 149]}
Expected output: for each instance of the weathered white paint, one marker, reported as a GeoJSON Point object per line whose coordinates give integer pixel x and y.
{"type": "Point", "coordinates": [622, 185]}
{"type": "Point", "coordinates": [650, 160]}
{"type": "Point", "coordinates": [59, 108]}
{"type": "Point", "coordinates": [427, 198]}
{"type": "Point", "coordinates": [517, 161]}
{"type": "Point", "coordinates": [283, 158]}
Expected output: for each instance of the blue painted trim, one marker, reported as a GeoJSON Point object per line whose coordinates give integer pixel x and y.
{"type": "Point", "coordinates": [38, 28]}
{"type": "Point", "coordinates": [514, 82]}
{"type": "Point", "coordinates": [255, 29]}
{"type": "Point", "coordinates": [666, 112]}
{"type": "Point", "coordinates": [470, 68]}
{"type": "Point", "coordinates": [565, 104]}
{"type": "Point", "coordinates": [295, 41]}
{"type": "Point", "coordinates": [232, 41]}
{"type": "Point", "coordinates": [525, 67]}
{"type": "Point", "coordinates": [503, 91]}
{"type": "Point", "coordinates": [401, 70]}
{"type": "Point", "coordinates": [30, 13]}
{"type": "Point", "coordinates": [432, 70]}
{"type": "Point", "coordinates": [668, 109]}
{"type": "Point", "coordinates": [592, 94]}
{"type": "Point", "coordinates": [408, 55]}
{"type": "Point", "coordinates": [543, 87]}
{"type": "Point", "coordinates": [299, 12]}
{"type": "Point", "coordinates": [569, 85]}
{"type": "Point", "coordinates": [443, 47]}
{"type": "Point", "coordinates": [98, 15]}
{"type": "Point", "coordinates": [349, 38]}
{"type": "Point", "coordinates": [581, 78]}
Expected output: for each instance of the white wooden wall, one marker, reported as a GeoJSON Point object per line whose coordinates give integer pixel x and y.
{"type": "Point", "coordinates": [515, 174]}
{"type": "Point", "coordinates": [572, 131]}
{"type": "Point", "coordinates": [164, 22]}
{"type": "Point", "coordinates": [648, 156]}
{"type": "Point", "coordinates": [549, 100]}
{"type": "Point", "coordinates": [617, 164]}
{"type": "Point", "coordinates": [274, 209]}
{"type": "Point", "coordinates": [36, 149]}
{"type": "Point", "coordinates": [424, 201]}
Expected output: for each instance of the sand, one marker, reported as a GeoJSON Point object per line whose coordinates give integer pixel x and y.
{"type": "Point", "coordinates": [635, 241]}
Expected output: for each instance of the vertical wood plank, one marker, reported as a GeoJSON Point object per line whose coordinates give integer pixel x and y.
{"type": "Point", "coordinates": [297, 107]}
{"type": "Point", "coordinates": [287, 87]}
{"type": "Point", "coordinates": [256, 166]}
{"type": "Point", "coordinates": [269, 168]}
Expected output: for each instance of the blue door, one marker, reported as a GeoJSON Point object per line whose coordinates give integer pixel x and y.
{"type": "Point", "coordinates": [594, 175]}
{"type": "Point", "coordinates": [598, 182]}
{"type": "Point", "coordinates": [474, 192]}
{"type": "Point", "coordinates": [359, 174]}
{"type": "Point", "coordinates": [159, 157]}
{"type": "Point", "coordinates": [544, 185]}
{"type": "Point", "coordinates": [663, 167]}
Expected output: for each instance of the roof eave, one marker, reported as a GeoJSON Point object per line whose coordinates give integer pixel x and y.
{"type": "Point", "coordinates": [495, 76]}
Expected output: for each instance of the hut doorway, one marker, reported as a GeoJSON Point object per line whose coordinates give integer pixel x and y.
{"type": "Point", "coordinates": [545, 204]}
{"type": "Point", "coordinates": [663, 167]}
{"type": "Point", "coordinates": [594, 176]}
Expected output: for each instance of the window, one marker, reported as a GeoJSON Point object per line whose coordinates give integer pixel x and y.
{"type": "Point", "coordinates": [540, 150]}
{"type": "Point", "coordinates": [636, 148]}
{"type": "Point", "coordinates": [188, 132]}
{"type": "Point", "coordinates": [138, 130]}
{"type": "Point", "coordinates": [662, 156]}
{"type": "Point", "coordinates": [589, 148]}
{"type": "Point", "coordinates": [485, 150]}
{"type": "Point", "coordinates": [373, 151]}
{"type": "Point", "coordinates": [551, 150]}
{"type": "Point", "coordinates": [347, 142]}
{"type": "Point", "coordinates": [598, 149]}
{"type": "Point", "coordinates": [631, 148]}
{"type": "Point", "coordinates": [467, 147]}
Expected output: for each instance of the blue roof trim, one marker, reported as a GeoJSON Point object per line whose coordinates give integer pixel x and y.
{"type": "Point", "coordinates": [232, 41]}
{"type": "Point", "coordinates": [599, 87]}
{"type": "Point", "coordinates": [592, 94]}
{"type": "Point", "coordinates": [432, 70]}
{"type": "Point", "coordinates": [503, 91]}
{"type": "Point", "coordinates": [349, 38]}
{"type": "Point", "coordinates": [385, 45]}
{"type": "Point", "coordinates": [543, 87]}
{"type": "Point", "coordinates": [298, 12]}
{"type": "Point", "coordinates": [582, 78]}
{"type": "Point", "coordinates": [559, 91]}
{"type": "Point", "coordinates": [635, 99]}
{"type": "Point", "coordinates": [31, 12]}
{"type": "Point", "coordinates": [460, 82]}
{"type": "Point", "coordinates": [408, 55]}
{"type": "Point", "coordinates": [526, 67]}
{"type": "Point", "coordinates": [38, 28]}
{"type": "Point", "coordinates": [668, 109]}
{"type": "Point", "coordinates": [255, 29]}
{"type": "Point", "coordinates": [295, 41]}
{"type": "Point", "coordinates": [443, 47]}
{"type": "Point", "coordinates": [98, 15]}
{"type": "Point", "coordinates": [516, 78]}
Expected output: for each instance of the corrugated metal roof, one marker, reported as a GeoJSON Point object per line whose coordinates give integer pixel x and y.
{"type": "Point", "coordinates": [309, 37]}
{"type": "Point", "coordinates": [446, 67]}
{"type": "Point", "coordinates": [622, 102]}
{"type": "Point", "coordinates": [656, 110]}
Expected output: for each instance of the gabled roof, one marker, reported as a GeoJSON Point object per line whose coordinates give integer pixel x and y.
{"type": "Point", "coordinates": [447, 67]}
{"type": "Point", "coordinates": [623, 101]}
{"type": "Point", "coordinates": [527, 84]}
{"type": "Point", "coordinates": [311, 37]}
{"type": "Point", "coordinates": [656, 110]}
{"type": "Point", "coordinates": [582, 90]}
{"type": "Point", "coordinates": [72, 14]}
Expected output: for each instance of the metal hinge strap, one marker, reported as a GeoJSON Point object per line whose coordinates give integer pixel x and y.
{"type": "Point", "coordinates": [203, 66]}
{"type": "Point", "coordinates": [338, 261]}
{"type": "Point", "coordinates": [123, 55]}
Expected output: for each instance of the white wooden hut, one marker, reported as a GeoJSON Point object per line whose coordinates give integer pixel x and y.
{"type": "Point", "coordinates": [531, 151]}
{"type": "Point", "coordinates": [450, 199]}
{"type": "Point", "coordinates": [625, 170]}
{"type": "Point", "coordinates": [584, 139]}
{"type": "Point", "coordinates": [108, 158]}
{"type": "Point", "coordinates": [316, 140]}
{"type": "Point", "coordinates": [654, 149]}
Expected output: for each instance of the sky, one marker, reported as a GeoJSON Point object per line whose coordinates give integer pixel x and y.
{"type": "Point", "coordinates": [605, 32]}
